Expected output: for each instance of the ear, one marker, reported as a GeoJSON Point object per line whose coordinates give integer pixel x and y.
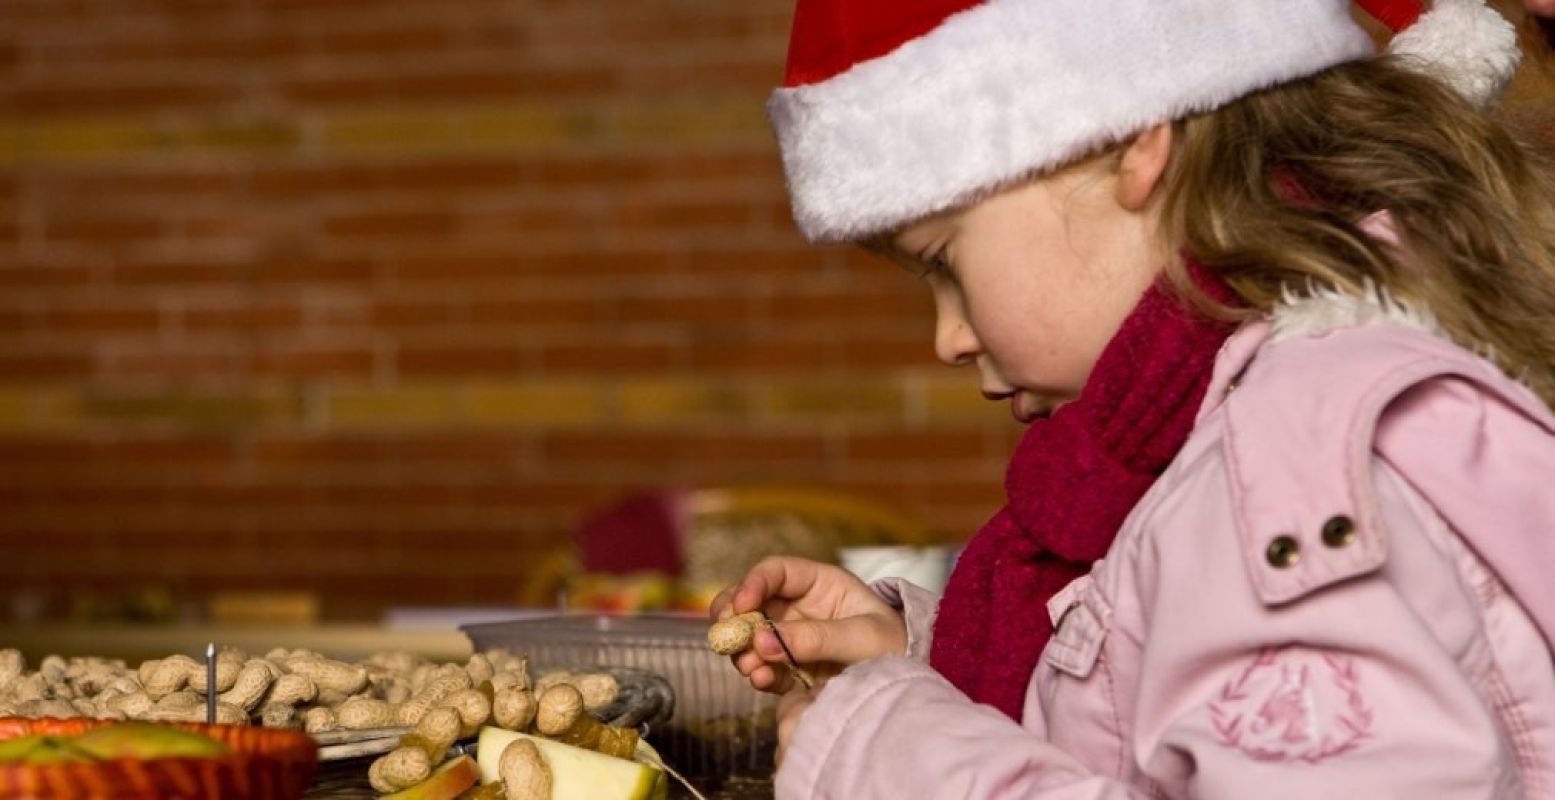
{"type": "Point", "coordinates": [1143, 163]}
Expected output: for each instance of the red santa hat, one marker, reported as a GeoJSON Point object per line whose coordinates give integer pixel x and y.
{"type": "Point", "coordinates": [892, 110]}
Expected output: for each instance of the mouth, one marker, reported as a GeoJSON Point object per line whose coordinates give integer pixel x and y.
{"type": "Point", "coordinates": [1023, 407]}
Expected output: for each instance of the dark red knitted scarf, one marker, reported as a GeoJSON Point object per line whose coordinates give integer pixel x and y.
{"type": "Point", "coordinates": [1074, 478]}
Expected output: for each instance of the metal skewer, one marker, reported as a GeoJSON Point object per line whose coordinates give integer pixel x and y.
{"type": "Point", "coordinates": [210, 683]}
{"type": "Point", "coordinates": [793, 666]}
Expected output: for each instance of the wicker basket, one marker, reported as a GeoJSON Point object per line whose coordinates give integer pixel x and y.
{"type": "Point", "coordinates": [264, 764]}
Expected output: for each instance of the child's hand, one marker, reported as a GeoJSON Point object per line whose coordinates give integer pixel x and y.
{"type": "Point", "coordinates": [828, 618]}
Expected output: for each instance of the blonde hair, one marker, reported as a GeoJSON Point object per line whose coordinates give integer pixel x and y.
{"type": "Point", "coordinates": [1269, 191]}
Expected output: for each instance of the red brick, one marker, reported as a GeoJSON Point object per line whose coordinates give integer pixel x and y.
{"type": "Point", "coordinates": [456, 267]}
{"type": "Point", "coordinates": [528, 312]}
{"type": "Point", "coordinates": [510, 83]}
{"type": "Point", "coordinates": [202, 44]}
{"type": "Point", "coordinates": [309, 270]}
{"type": "Point", "coordinates": [115, 97]}
{"type": "Point", "coordinates": [16, 319]}
{"type": "Point", "coordinates": [217, 225]}
{"type": "Point", "coordinates": [790, 263]}
{"type": "Point", "coordinates": [756, 76]}
{"type": "Point", "coordinates": [801, 303]}
{"type": "Point", "coordinates": [30, 452]}
{"type": "Point", "coordinates": [883, 353]}
{"type": "Point", "coordinates": [288, 451]}
{"type": "Point", "coordinates": [122, 319]}
{"type": "Point", "coordinates": [182, 452]}
{"type": "Point", "coordinates": [673, 215]}
{"type": "Point", "coordinates": [903, 446]}
{"type": "Point", "coordinates": [627, 357]}
{"type": "Point", "coordinates": [419, 360]}
{"type": "Point", "coordinates": [692, 310]}
{"type": "Point", "coordinates": [387, 313]}
{"type": "Point", "coordinates": [243, 317]}
{"type": "Point", "coordinates": [391, 224]}
{"type": "Point", "coordinates": [176, 271]}
{"type": "Point", "coordinates": [736, 23]}
{"type": "Point", "coordinates": [334, 360]}
{"type": "Point", "coordinates": [174, 362]}
{"type": "Point", "coordinates": [161, 180]}
{"type": "Point", "coordinates": [31, 366]}
{"type": "Point", "coordinates": [760, 356]}
{"type": "Point", "coordinates": [384, 41]}
{"type": "Point", "coordinates": [540, 219]}
{"type": "Point", "coordinates": [103, 230]}
{"type": "Point", "coordinates": [666, 447]}
{"type": "Point", "coordinates": [539, 494]}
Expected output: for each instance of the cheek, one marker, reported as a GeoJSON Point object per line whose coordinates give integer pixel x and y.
{"type": "Point", "coordinates": [1047, 337]}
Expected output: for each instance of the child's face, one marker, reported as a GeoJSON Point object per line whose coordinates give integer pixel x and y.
{"type": "Point", "coordinates": [1030, 284]}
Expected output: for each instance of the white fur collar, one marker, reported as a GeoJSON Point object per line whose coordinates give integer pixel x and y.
{"type": "Point", "coordinates": [1319, 310]}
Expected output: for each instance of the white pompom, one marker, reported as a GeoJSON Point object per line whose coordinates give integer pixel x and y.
{"type": "Point", "coordinates": [1465, 43]}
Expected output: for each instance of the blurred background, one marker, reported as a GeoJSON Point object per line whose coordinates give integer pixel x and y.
{"type": "Point", "coordinates": [316, 309]}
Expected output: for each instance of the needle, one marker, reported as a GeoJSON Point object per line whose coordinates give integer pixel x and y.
{"type": "Point", "coordinates": [793, 666]}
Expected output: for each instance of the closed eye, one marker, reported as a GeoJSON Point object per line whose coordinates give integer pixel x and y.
{"type": "Point", "coordinates": [936, 264]}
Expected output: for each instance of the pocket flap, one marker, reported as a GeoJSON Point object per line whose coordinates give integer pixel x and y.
{"type": "Point", "coordinates": [1081, 629]}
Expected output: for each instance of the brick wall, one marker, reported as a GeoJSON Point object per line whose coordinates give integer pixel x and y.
{"type": "Point", "coordinates": [377, 298]}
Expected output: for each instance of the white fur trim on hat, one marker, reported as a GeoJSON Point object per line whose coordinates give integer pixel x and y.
{"type": "Point", "coordinates": [1010, 88]}
{"type": "Point", "coordinates": [1465, 43]}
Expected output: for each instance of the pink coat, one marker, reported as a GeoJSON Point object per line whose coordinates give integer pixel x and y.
{"type": "Point", "coordinates": [1339, 588]}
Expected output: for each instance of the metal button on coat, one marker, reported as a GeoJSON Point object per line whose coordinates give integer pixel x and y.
{"type": "Point", "coordinates": [1339, 531]}
{"type": "Point", "coordinates": [1283, 552]}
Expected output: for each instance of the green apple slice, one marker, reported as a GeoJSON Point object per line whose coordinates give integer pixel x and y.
{"type": "Point", "coordinates": [145, 740]}
{"type": "Point", "coordinates": [445, 783]}
{"type": "Point", "coordinates": [576, 774]}
{"type": "Point", "coordinates": [42, 749]}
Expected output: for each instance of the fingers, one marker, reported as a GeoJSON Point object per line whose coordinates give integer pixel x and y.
{"type": "Point", "coordinates": [842, 641]}
{"type": "Point", "coordinates": [776, 576]}
{"type": "Point", "coordinates": [719, 609]}
{"type": "Point", "coordinates": [764, 676]}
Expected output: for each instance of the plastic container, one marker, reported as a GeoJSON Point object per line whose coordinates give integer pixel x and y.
{"type": "Point", "coordinates": [721, 727]}
{"type": "Point", "coordinates": [928, 567]}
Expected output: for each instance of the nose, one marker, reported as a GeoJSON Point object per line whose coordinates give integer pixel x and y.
{"type": "Point", "coordinates": [955, 343]}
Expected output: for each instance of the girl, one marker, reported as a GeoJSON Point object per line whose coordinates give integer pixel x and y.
{"type": "Point", "coordinates": [1281, 315]}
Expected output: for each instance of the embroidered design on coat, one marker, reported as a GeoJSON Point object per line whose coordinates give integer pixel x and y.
{"type": "Point", "coordinates": [1292, 704]}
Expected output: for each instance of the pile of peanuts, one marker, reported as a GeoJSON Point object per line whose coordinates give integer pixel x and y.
{"type": "Point", "coordinates": [442, 703]}
{"type": "Point", "coordinates": [281, 689]}
{"type": "Point", "coordinates": [446, 709]}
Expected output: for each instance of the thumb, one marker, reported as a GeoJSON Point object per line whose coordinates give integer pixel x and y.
{"type": "Point", "coordinates": [843, 641]}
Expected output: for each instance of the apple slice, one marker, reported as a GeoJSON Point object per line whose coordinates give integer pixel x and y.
{"type": "Point", "coordinates": [42, 749]}
{"type": "Point", "coordinates": [576, 774]}
{"type": "Point", "coordinates": [145, 740]}
{"type": "Point", "coordinates": [445, 783]}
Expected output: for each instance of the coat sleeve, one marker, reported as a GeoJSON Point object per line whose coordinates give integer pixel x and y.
{"type": "Point", "coordinates": [919, 607]}
{"type": "Point", "coordinates": [894, 728]}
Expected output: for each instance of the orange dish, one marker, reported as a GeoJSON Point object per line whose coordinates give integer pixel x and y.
{"type": "Point", "coordinates": [257, 763]}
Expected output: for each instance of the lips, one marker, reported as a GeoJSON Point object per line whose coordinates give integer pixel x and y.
{"type": "Point", "coordinates": [1021, 409]}
{"type": "Point", "coordinates": [1024, 407]}
{"type": "Point", "coordinates": [1027, 409]}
